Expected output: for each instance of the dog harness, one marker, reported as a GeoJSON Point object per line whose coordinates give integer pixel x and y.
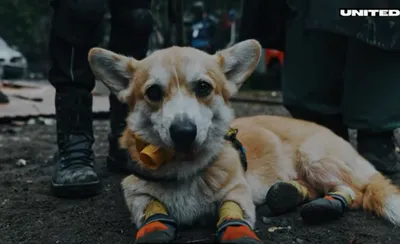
{"type": "Point", "coordinates": [231, 136]}
{"type": "Point", "coordinates": [144, 174]}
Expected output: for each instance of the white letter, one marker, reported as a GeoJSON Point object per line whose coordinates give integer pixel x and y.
{"type": "Point", "coordinates": [345, 12]}
{"type": "Point", "coordinates": [394, 12]}
{"type": "Point", "coordinates": [359, 12]}
{"type": "Point", "coordinates": [373, 12]}
{"type": "Point", "coordinates": [383, 12]}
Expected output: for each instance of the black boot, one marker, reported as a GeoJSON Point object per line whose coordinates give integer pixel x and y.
{"type": "Point", "coordinates": [75, 174]}
{"type": "Point", "coordinates": [118, 158]}
{"type": "Point", "coordinates": [380, 149]}
{"type": "Point", "coordinates": [3, 98]}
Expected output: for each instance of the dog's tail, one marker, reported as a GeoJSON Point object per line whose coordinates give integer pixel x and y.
{"type": "Point", "coordinates": [383, 198]}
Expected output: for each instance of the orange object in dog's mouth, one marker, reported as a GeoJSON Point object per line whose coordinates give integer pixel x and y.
{"type": "Point", "coordinates": [151, 156]}
{"type": "Point", "coordinates": [154, 157]}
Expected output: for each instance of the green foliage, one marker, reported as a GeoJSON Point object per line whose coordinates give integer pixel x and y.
{"type": "Point", "coordinates": [25, 24]}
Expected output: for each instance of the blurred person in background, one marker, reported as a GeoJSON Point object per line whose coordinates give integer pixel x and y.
{"type": "Point", "coordinates": [340, 72]}
{"type": "Point", "coordinates": [203, 28]}
{"type": "Point", "coordinates": [77, 26]}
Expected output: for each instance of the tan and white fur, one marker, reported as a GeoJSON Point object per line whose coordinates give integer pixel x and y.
{"type": "Point", "coordinates": [277, 148]}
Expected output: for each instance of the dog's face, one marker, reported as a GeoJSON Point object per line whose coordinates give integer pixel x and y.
{"type": "Point", "coordinates": [179, 97]}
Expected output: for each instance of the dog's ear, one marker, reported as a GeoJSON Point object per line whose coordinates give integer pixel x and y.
{"type": "Point", "coordinates": [114, 70]}
{"type": "Point", "coordinates": [238, 62]}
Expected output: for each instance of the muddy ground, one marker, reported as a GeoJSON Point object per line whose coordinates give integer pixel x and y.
{"type": "Point", "coordinates": [30, 214]}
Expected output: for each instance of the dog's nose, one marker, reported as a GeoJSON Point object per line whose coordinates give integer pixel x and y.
{"type": "Point", "coordinates": [183, 132]}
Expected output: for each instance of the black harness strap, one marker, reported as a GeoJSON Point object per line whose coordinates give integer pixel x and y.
{"type": "Point", "coordinates": [231, 136]}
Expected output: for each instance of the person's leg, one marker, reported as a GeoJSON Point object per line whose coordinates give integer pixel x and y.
{"type": "Point", "coordinates": [312, 76]}
{"type": "Point", "coordinates": [76, 27]}
{"type": "Point", "coordinates": [371, 103]}
{"type": "Point", "coordinates": [131, 26]}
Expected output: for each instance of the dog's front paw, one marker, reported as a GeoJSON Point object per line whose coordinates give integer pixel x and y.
{"type": "Point", "coordinates": [159, 228]}
{"type": "Point", "coordinates": [236, 231]}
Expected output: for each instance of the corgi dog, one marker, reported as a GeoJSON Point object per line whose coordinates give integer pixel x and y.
{"type": "Point", "coordinates": [188, 168]}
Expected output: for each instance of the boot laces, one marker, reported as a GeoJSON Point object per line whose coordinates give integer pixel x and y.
{"type": "Point", "coordinates": [74, 155]}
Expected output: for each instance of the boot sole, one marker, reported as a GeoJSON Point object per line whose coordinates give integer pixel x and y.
{"type": "Point", "coordinates": [76, 191]}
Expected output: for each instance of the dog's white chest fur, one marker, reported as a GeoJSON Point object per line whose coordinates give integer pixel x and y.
{"type": "Point", "coordinates": [187, 202]}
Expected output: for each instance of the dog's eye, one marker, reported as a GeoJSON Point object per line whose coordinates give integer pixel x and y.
{"type": "Point", "coordinates": [154, 93]}
{"type": "Point", "coordinates": [202, 89]}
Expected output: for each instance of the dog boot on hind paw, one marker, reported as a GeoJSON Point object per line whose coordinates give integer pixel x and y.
{"type": "Point", "coordinates": [236, 231]}
{"type": "Point", "coordinates": [285, 196]}
{"type": "Point", "coordinates": [331, 207]}
{"type": "Point", "coordinates": [159, 228]}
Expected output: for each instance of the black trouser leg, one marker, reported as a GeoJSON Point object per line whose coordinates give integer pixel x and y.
{"type": "Point", "coordinates": [371, 103]}
{"type": "Point", "coordinates": [312, 76]}
{"type": "Point", "coordinates": [343, 83]}
{"type": "Point", "coordinates": [76, 27]}
{"type": "Point", "coordinates": [131, 25]}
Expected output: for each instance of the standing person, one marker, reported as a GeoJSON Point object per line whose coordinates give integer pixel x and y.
{"type": "Point", "coordinates": [340, 72]}
{"type": "Point", "coordinates": [203, 28]}
{"type": "Point", "coordinates": [77, 26]}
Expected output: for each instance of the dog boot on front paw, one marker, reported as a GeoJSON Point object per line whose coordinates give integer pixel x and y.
{"type": "Point", "coordinates": [159, 228]}
{"type": "Point", "coordinates": [331, 207]}
{"type": "Point", "coordinates": [236, 231]}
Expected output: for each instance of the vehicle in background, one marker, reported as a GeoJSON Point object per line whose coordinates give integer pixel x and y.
{"type": "Point", "coordinates": [14, 63]}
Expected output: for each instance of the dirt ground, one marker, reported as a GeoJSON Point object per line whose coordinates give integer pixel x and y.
{"type": "Point", "coordinates": [30, 214]}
